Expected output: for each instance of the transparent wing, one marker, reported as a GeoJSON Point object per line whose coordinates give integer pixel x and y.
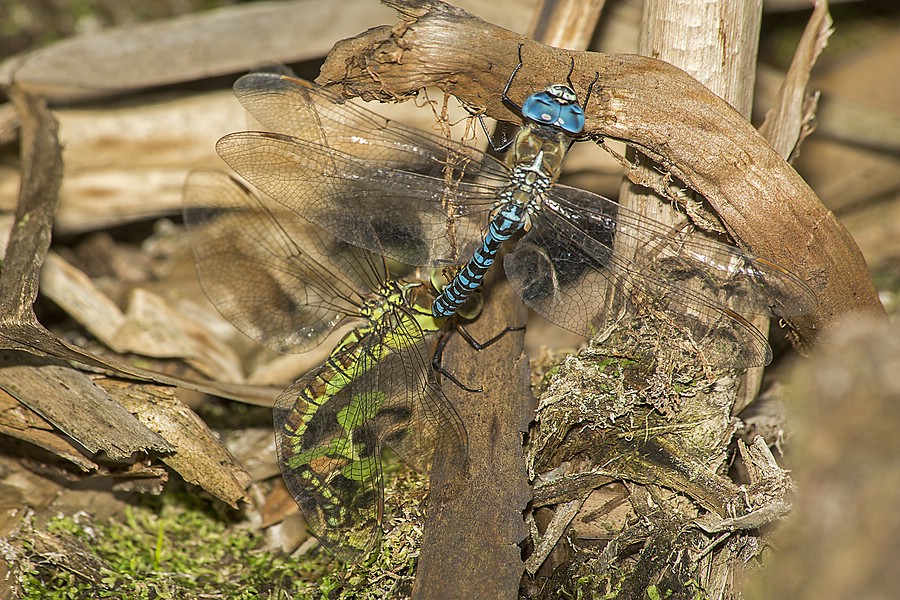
{"type": "Point", "coordinates": [416, 219]}
{"type": "Point", "coordinates": [329, 455]}
{"type": "Point", "coordinates": [277, 278]}
{"type": "Point", "coordinates": [312, 113]}
{"type": "Point", "coordinates": [330, 425]}
{"type": "Point", "coordinates": [566, 269]}
{"type": "Point", "coordinates": [416, 417]}
{"type": "Point", "coordinates": [394, 190]}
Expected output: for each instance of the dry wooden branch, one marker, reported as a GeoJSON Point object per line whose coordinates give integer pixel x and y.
{"type": "Point", "coordinates": [475, 516]}
{"type": "Point", "coordinates": [463, 538]}
{"type": "Point", "coordinates": [30, 237]}
{"type": "Point", "coordinates": [766, 206]}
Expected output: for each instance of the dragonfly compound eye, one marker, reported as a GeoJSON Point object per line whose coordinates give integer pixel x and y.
{"type": "Point", "coordinates": [548, 108]}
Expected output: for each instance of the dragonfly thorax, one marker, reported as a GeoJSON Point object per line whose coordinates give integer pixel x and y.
{"type": "Point", "coordinates": [393, 294]}
{"type": "Point", "coordinates": [535, 161]}
{"type": "Point", "coordinates": [400, 305]}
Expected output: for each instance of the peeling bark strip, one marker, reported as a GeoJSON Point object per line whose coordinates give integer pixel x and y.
{"type": "Point", "coordinates": [474, 518]}
{"type": "Point", "coordinates": [652, 105]}
{"type": "Point", "coordinates": [29, 239]}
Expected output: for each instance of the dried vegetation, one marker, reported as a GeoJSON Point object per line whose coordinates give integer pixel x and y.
{"type": "Point", "coordinates": [137, 457]}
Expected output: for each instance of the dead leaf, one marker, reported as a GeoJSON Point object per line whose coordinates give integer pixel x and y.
{"type": "Point", "coordinates": [153, 327]}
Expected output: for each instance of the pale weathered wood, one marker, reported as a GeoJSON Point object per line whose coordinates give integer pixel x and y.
{"type": "Point", "coordinates": [219, 42]}
{"type": "Point", "coordinates": [566, 23]}
{"type": "Point", "coordinates": [75, 293]}
{"type": "Point", "coordinates": [203, 45]}
{"type": "Point", "coordinates": [789, 120]}
{"type": "Point", "coordinates": [198, 455]}
{"type": "Point", "coordinates": [716, 43]}
{"type": "Point", "coordinates": [17, 421]}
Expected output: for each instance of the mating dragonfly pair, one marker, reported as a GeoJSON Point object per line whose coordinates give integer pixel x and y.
{"type": "Point", "coordinates": [387, 190]}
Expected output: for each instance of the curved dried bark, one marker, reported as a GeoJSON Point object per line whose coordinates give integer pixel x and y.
{"type": "Point", "coordinates": [669, 116]}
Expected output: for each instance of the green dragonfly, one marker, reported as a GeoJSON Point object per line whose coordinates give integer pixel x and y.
{"type": "Point", "coordinates": [287, 285]}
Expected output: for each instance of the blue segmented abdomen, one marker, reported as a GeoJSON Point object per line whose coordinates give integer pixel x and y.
{"type": "Point", "coordinates": [508, 220]}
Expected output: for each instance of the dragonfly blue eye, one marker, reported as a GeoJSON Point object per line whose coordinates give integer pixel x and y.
{"type": "Point", "coordinates": [553, 108]}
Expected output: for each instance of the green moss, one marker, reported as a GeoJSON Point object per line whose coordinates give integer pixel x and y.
{"type": "Point", "coordinates": [173, 546]}
{"type": "Point", "coordinates": [654, 594]}
{"type": "Point", "coordinates": [591, 585]}
{"type": "Point", "coordinates": [180, 546]}
{"type": "Point", "coordinates": [389, 572]}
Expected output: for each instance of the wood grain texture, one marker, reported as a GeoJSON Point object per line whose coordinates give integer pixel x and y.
{"type": "Point", "coordinates": [475, 523]}
{"type": "Point", "coordinates": [715, 42]}
{"type": "Point", "coordinates": [474, 520]}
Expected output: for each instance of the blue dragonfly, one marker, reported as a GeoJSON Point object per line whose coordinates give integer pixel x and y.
{"type": "Point", "coordinates": [423, 199]}
{"type": "Point", "coordinates": [287, 284]}
{"type": "Point", "coordinates": [553, 118]}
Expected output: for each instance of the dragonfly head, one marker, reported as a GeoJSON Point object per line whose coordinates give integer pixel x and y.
{"type": "Point", "coordinates": [416, 294]}
{"type": "Point", "coordinates": [556, 106]}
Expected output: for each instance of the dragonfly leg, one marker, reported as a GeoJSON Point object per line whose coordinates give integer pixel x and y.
{"type": "Point", "coordinates": [437, 365]}
{"type": "Point", "coordinates": [504, 97]}
{"type": "Point", "coordinates": [504, 143]}
{"type": "Point", "coordinates": [475, 344]}
{"type": "Point", "coordinates": [599, 140]}
{"type": "Point", "coordinates": [438, 357]}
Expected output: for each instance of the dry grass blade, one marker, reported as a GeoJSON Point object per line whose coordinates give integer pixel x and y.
{"type": "Point", "coordinates": [789, 120]}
